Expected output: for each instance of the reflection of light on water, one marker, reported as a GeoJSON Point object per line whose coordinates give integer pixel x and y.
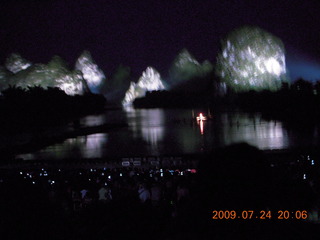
{"type": "Point", "coordinates": [153, 130]}
{"type": "Point", "coordinates": [27, 156]}
{"type": "Point", "coordinates": [271, 135]}
{"type": "Point", "coordinates": [152, 135]}
{"type": "Point", "coordinates": [158, 131]}
{"type": "Point", "coordinates": [201, 127]}
{"type": "Point", "coordinates": [90, 146]}
{"type": "Point", "coordinates": [255, 131]}
{"type": "Point", "coordinates": [148, 123]}
{"type": "Point", "coordinates": [93, 120]}
{"type": "Point", "coordinates": [94, 145]}
{"type": "Point", "coordinates": [75, 141]}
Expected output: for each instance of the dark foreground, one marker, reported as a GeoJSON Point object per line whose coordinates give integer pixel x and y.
{"type": "Point", "coordinates": [51, 202]}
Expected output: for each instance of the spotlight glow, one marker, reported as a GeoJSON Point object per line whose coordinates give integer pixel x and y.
{"type": "Point", "coordinates": [252, 59]}
{"type": "Point", "coordinates": [149, 81]}
{"type": "Point", "coordinates": [91, 72]}
{"type": "Point", "coordinates": [15, 63]}
{"type": "Point", "coordinates": [186, 67]}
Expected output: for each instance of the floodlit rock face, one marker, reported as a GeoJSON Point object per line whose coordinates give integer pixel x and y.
{"type": "Point", "coordinates": [149, 81]}
{"type": "Point", "coordinates": [15, 63]}
{"type": "Point", "coordinates": [251, 59]}
{"type": "Point", "coordinates": [185, 67]}
{"type": "Point", "coordinates": [53, 74]}
{"type": "Point", "coordinates": [37, 74]}
{"type": "Point", "coordinates": [72, 83]}
{"type": "Point", "coordinates": [133, 92]}
{"type": "Point", "coordinates": [93, 75]}
{"type": "Point", "coordinates": [42, 75]}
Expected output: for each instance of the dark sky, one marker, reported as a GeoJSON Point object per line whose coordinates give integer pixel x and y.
{"type": "Point", "coordinates": [140, 33]}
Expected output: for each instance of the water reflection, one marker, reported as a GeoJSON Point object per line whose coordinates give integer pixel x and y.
{"type": "Point", "coordinates": [173, 131]}
{"type": "Point", "coordinates": [201, 127]}
{"type": "Point", "coordinates": [148, 123]}
{"type": "Point", "coordinates": [95, 145]}
{"type": "Point", "coordinates": [93, 120]}
{"type": "Point", "coordinates": [254, 130]}
{"type": "Point", "coordinates": [90, 146]}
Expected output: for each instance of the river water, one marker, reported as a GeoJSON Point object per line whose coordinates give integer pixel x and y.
{"type": "Point", "coordinates": [154, 132]}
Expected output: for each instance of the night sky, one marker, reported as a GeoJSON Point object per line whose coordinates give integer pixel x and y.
{"type": "Point", "coordinates": [143, 33]}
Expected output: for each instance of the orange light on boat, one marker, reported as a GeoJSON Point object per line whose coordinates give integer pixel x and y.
{"type": "Point", "coordinates": [201, 117]}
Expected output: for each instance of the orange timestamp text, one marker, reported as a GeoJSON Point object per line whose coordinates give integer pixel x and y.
{"type": "Point", "coordinates": [259, 215]}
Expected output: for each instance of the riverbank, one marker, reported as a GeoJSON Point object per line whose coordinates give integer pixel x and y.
{"type": "Point", "coordinates": [276, 157]}
{"type": "Point", "coordinates": [35, 140]}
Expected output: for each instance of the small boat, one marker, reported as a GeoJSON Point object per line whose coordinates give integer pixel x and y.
{"type": "Point", "coordinates": [201, 117]}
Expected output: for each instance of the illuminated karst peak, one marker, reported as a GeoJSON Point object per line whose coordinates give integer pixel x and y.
{"type": "Point", "coordinates": [54, 74]}
{"type": "Point", "coordinates": [132, 93]}
{"type": "Point", "coordinates": [15, 63]}
{"type": "Point", "coordinates": [91, 72]}
{"type": "Point", "coordinates": [185, 67]}
{"type": "Point", "coordinates": [184, 58]}
{"type": "Point", "coordinates": [251, 59]}
{"type": "Point", "coordinates": [149, 81]}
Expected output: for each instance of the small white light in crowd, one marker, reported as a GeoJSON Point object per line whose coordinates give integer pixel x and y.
{"type": "Point", "coordinates": [161, 170]}
{"type": "Point", "coordinates": [304, 176]}
{"type": "Point", "coordinates": [91, 170]}
{"type": "Point", "coordinates": [20, 173]}
{"type": "Point", "coordinates": [33, 182]}
{"type": "Point", "coordinates": [59, 170]}
{"type": "Point", "coordinates": [102, 174]}
{"type": "Point", "coordinates": [150, 175]}
{"type": "Point", "coordinates": [308, 157]}
{"type": "Point", "coordinates": [109, 177]}
{"type": "Point", "coordinates": [89, 179]}
{"type": "Point", "coordinates": [52, 182]}
{"type": "Point", "coordinates": [120, 174]}
{"type": "Point", "coordinates": [104, 169]}
{"type": "Point", "coordinates": [161, 174]}
{"type": "Point", "coordinates": [181, 173]}
{"type": "Point", "coordinates": [40, 174]}
{"type": "Point", "coordinates": [80, 173]}
{"type": "Point", "coordinates": [45, 174]}
{"type": "Point", "coordinates": [106, 184]}
{"type": "Point", "coordinates": [42, 169]}
{"type": "Point", "coordinates": [312, 162]}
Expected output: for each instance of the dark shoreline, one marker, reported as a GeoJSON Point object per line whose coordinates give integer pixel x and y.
{"type": "Point", "coordinates": [179, 161]}
{"type": "Point", "coordinates": [43, 139]}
